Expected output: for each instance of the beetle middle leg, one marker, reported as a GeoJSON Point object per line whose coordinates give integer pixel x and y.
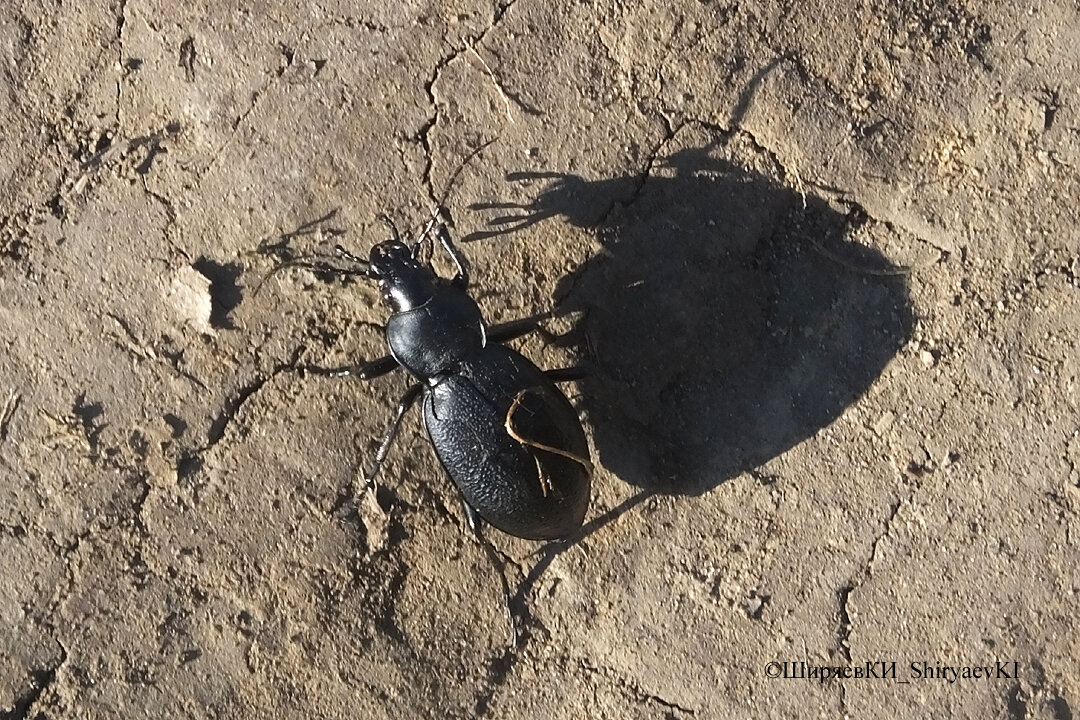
{"type": "Point", "coordinates": [406, 402]}
{"type": "Point", "coordinates": [512, 330]}
{"type": "Point", "coordinates": [568, 374]}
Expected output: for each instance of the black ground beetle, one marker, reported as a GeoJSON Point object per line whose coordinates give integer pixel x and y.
{"type": "Point", "coordinates": [508, 437]}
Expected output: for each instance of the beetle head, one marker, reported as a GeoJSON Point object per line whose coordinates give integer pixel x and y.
{"type": "Point", "coordinates": [404, 281]}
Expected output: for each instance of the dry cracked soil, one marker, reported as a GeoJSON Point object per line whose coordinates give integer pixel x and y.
{"type": "Point", "coordinates": [821, 259]}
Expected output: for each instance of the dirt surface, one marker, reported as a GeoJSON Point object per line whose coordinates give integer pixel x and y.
{"type": "Point", "coordinates": [822, 259]}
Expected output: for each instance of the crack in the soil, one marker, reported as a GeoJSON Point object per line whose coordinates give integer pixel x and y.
{"type": "Point", "coordinates": [170, 213]}
{"type": "Point", "coordinates": [843, 595]}
{"type": "Point", "coordinates": [234, 403]}
{"type": "Point", "coordinates": [11, 405]}
{"type": "Point", "coordinates": [121, 20]}
{"type": "Point", "coordinates": [845, 592]}
{"type": "Point", "coordinates": [67, 551]}
{"type": "Point", "coordinates": [288, 53]}
{"type": "Point", "coordinates": [187, 58]}
{"type": "Point", "coordinates": [848, 197]}
{"type": "Point", "coordinates": [810, 78]}
{"type": "Point", "coordinates": [15, 531]}
{"type": "Point", "coordinates": [424, 132]}
{"type": "Point", "coordinates": [874, 546]}
{"type": "Point", "coordinates": [500, 666]}
{"type": "Point", "coordinates": [792, 177]}
{"type": "Point", "coordinates": [843, 634]}
{"type": "Point", "coordinates": [41, 680]}
{"type": "Point", "coordinates": [142, 351]}
{"type": "Point", "coordinates": [59, 135]}
{"type": "Point", "coordinates": [633, 690]}
{"type": "Point", "coordinates": [171, 217]}
{"type": "Point", "coordinates": [140, 504]}
{"type": "Point", "coordinates": [646, 171]}
{"type": "Point", "coordinates": [498, 671]}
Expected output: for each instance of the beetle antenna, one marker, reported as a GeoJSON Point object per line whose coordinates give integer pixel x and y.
{"type": "Point", "coordinates": [457, 172]}
{"type": "Point", "coordinates": [433, 220]}
{"type": "Point", "coordinates": [394, 234]}
{"type": "Point", "coordinates": [436, 212]}
{"type": "Point", "coordinates": [360, 262]}
{"type": "Point", "coordinates": [319, 263]}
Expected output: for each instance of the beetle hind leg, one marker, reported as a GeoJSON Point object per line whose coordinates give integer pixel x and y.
{"type": "Point", "coordinates": [474, 522]}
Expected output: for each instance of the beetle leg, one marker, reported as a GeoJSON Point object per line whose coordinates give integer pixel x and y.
{"type": "Point", "coordinates": [364, 371]}
{"type": "Point", "coordinates": [474, 523]}
{"type": "Point", "coordinates": [513, 329]}
{"type": "Point", "coordinates": [461, 279]}
{"type": "Point", "coordinates": [567, 374]}
{"type": "Point", "coordinates": [504, 332]}
{"type": "Point", "coordinates": [407, 400]}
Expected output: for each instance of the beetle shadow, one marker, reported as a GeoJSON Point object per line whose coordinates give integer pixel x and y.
{"type": "Point", "coordinates": [728, 316]}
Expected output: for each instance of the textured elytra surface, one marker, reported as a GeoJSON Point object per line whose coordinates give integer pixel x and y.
{"type": "Point", "coordinates": [802, 453]}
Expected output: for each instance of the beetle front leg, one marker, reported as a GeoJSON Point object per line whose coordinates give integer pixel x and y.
{"type": "Point", "coordinates": [461, 279]}
{"type": "Point", "coordinates": [474, 522]}
{"type": "Point", "coordinates": [407, 401]}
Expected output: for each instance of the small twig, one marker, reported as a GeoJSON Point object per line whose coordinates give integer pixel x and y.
{"type": "Point", "coordinates": [890, 271]}
{"type": "Point", "coordinates": [10, 407]}
{"type": "Point", "coordinates": [494, 79]}
{"type": "Point", "coordinates": [798, 183]}
{"type": "Point", "coordinates": [1034, 357]}
{"type": "Point", "coordinates": [545, 482]}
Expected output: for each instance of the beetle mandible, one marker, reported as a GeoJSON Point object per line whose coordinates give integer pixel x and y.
{"type": "Point", "coordinates": [507, 436]}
